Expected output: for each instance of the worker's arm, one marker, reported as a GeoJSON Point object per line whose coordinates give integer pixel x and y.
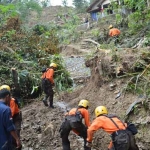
{"type": "Point", "coordinates": [119, 32]}
{"type": "Point", "coordinates": [15, 136]}
{"type": "Point", "coordinates": [110, 145]}
{"type": "Point", "coordinates": [110, 33]}
{"type": "Point", "coordinates": [86, 117]}
{"type": "Point", "coordinates": [49, 75]}
{"type": "Point", "coordinates": [8, 123]}
{"type": "Point", "coordinates": [96, 124]}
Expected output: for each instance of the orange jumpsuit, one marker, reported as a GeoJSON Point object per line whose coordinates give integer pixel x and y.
{"type": "Point", "coordinates": [14, 107]}
{"type": "Point", "coordinates": [114, 32]}
{"type": "Point", "coordinates": [49, 75]}
{"type": "Point", "coordinates": [80, 129]}
{"type": "Point", "coordinates": [17, 118]}
{"type": "Point", "coordinates": [103, 122]}
{"type": "Point", "coordinates": [47, 88]}
{"type": "Point", "coordinates": [85, 115]}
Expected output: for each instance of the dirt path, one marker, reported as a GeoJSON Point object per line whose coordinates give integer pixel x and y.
{"type": "Point", "coordinates": [41, 127]}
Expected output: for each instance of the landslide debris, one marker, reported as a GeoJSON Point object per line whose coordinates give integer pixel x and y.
{"type": "Point", "coordinates": [117, 79]}
{"type": "Point", "coordinates": [40, 129]}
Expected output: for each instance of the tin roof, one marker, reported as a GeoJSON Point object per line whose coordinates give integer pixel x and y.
{"type": "Point", "coordinates": [98, 2]}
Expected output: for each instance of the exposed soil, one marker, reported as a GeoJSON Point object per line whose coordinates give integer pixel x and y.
{"type": "Point", "coordinates": [41, 124]}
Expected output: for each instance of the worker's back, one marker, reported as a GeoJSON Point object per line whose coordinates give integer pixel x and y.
{"type": "Point", "coordinates": [114, 32]}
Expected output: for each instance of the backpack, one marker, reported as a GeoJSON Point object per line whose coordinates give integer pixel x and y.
{"type": "Point", "coordinates": [45, 82]}
{"type": "Point", "coordinates": [75, 120]}
{"type": "Point", "coordinates": [132, 128]}
{"type": "Point", "coordinates": [43, 69]}
{"type": "Point", "coordinates": [120, 138]}
{"type": "Point", "coordinates": [17, 102]}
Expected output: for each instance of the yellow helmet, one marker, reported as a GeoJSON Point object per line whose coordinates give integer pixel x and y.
{"type": "Point", "coordinates": [5, 87]}
{"type": "Point", "coordinates": [111, 26]}
{"type": "Point", "coordinates": [53, 65]}
{"type": "Point", "coordinates": [84, 103]}
{"type": "Point", "coordinates": [100, 110]}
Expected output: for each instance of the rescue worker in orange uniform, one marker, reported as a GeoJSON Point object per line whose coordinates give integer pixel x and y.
{"type": "Point", "coordinates": [48, 83]}
{"type": "Point", "coordinates": [73, 121]}
{"type": "Point", "coordinates": [113, 126]}
{"type": "Point", "coordinates": [114, 32]}
{"type": "Point", "coordinates": [15, 112]}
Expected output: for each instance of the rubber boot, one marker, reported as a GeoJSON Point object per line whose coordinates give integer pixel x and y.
{"type": "Point", "coordinates": [45, 101]}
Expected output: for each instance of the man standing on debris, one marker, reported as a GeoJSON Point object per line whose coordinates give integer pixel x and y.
{"type": "Point", "coordinates": [48, 83]}
{"type": "Point", "coordinates": [122, 138]}
{"type": "Point", "coordinates": [73, 121]}
{"type": "Point", "coordinates": [114, 32]}
{"type": "Point", "coordinates": [7, 129]}
{"type": "Point", "coordinates": [15, 112]}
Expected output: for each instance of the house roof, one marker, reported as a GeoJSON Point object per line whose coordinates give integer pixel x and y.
{"type": "Point", "coordinates": [89, 9]}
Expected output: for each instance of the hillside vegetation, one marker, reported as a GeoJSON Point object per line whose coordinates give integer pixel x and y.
{"type": "Point", "coordinates": [120, 73]}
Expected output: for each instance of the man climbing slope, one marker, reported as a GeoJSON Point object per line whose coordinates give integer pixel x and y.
{"type": "Point", "coordinates": [48, 83]}
{"type": "Point", "coordinates": [73, 121]}
{"type": "Point", "coordinates": [122, 139]}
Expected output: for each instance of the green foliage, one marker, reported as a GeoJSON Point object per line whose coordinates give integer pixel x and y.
{"type": "Point", "coordinates": [62, 76]}
{"type": "Point", "coordinates": [136, 5]}
{"type": "Point", "coordinates": [67, 32]}
{"type": "Point", "coordinates": [24, 8]}
{"type": "Point", "coordinates": [118, 18]}
{"type": "Point", "coordinates": [39, 29]}
{"type": "Point", "coordinates": [10, 34]}
{"type": "Point", "coordinates": [134, 21]}
{"type": "Point", "coordinates": [80, 5]}
{"type": "Point", "coordinates": [65, 2]}
{"type": "Point", "coordinates": [95, 32]}
{"type": "Point", "coordinates": [6, 11]}
{"type": "Point", "coordinates": [45, 3]}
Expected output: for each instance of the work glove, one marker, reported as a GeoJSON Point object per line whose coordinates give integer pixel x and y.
{"type": "Point", "coordinates": [89, 144]}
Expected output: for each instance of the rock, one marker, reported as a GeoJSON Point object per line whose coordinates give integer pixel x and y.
{"type": "Point", "coordinates": [25, 126]}
{"type": "Point", "coordinates": [27, 148]}
{"type": "Point", "coordinates": [112, 85]}
{"type": "Point", "coordinates": [49, 130]}
{"type": "Point", "coordinates": [37, 146]}
{"type": "Point", "coordinates": [116, 92]}
{"type": "Point", "coordinates": [81, 81]}
{"type": "Point", "coordinates": [114, 103]}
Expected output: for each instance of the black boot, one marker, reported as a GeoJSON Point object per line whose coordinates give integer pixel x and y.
{"type": "Point", "coordinates": [51, 106]}
{"type": "Point", "coordinates": [45, 103]}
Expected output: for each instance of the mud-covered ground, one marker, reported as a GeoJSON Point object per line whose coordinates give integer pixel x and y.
{"type": "Point", "coordinates": [40, 129]}
{"type": "Point", "coordinates": [41, 124]}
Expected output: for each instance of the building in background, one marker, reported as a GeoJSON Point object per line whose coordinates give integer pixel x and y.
{"type": "Point", "coordinates": [96, 9]}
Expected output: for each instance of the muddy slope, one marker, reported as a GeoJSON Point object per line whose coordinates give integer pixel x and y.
{"type": "Point", "coordinates": [41, 125]}
{"type": "Point", "coordinates": [108, 91]}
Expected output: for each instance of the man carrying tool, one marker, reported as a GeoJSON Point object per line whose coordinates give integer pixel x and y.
{"type": "Point", "coordinates": [48, 83]}
{"type": "Point", "coordinates": [73, 121]}
{"type": "Point", "coordinates": [122, 139]}
{"type": "Point", "coordinates": [15, 112]}
{"type": "Point", "coordinates": [7, 129]}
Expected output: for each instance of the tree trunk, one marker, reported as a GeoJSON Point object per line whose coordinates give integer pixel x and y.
{"type": "Point", "coordinates": [16, 88]}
